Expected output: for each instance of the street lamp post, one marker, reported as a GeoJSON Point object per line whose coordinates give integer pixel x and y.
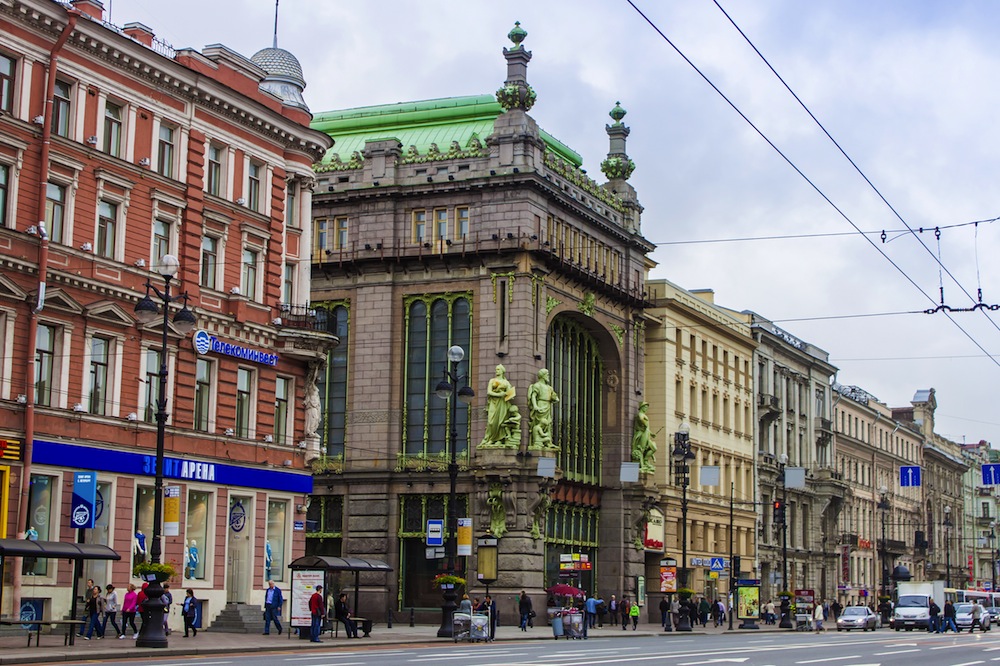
{"type": "Point", "coordinates": [682, 456]}
{"type": "Point", "coordinates": [883, 507]}
{"type": "Point", "coordinates": [786, 620]}
{"type": "Point", "coordinates": [146, 311]}
{"type": "Point", "coordinates": [993, 556]}
{"type": "Point", "coordinates": [947, 545]}
{"type": "Point", "coordinates": [446, 389]}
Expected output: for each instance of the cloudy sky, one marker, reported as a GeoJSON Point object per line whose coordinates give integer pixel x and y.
{"type": "Point", "coordinates": [906, 87]}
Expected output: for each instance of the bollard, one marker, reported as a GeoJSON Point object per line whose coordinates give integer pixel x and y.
{"type": "Point", "coordinates": [412, 623]}
{"type": "Point", "coordinates": [388, 618]}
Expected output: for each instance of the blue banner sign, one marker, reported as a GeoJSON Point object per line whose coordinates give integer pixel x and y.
{"type": "Point", "coordinates": [205, 342]}
{"type": "Point", "coordinates": [81, 514]}
{"type": "Point", "coordinates": [142, 464]}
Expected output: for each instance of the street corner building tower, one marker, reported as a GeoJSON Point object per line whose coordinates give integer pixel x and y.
{"type": "Point", "coordinates": [459, 221]}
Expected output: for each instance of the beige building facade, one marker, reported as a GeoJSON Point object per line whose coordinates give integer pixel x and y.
{"type": "Point", "coordinates": [699, 371]}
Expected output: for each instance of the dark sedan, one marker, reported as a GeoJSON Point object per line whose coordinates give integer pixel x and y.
{"type": "Point", "coordinates": [857, 617]}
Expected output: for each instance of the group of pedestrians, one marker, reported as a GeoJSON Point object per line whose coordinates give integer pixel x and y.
{"type": "Point", "coordinates": [101, 607]}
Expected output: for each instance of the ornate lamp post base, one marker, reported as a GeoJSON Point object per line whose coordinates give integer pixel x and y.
{"type": "Point", "coordinates": [151, 634]}
{"type": "Point", "coordinates": [448, 608]}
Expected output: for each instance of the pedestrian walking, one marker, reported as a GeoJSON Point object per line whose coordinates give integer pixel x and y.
{"type": "Point", "coordinates": [624, 608]}
{"type": "Point", "coordinates": [140, 607]}
{"type": "Point", "coordinates": [818, 616]}
{"type": "Point", "coordinates": [272, 607]}
{"type": "Point", "coordinates": [704, 610]}
{"type": "Point", "coordinates": [167, 598]}
{"type": "Point", "coordinates": [934, 623]}
{"type": "Point", "coordinates": [129, 605]}
{"type": "Point", "coordinates": [664, 609]}
{"type": "Point", "coordinates": [111, 609]}
{"type": "Point", "coordinates": [977, 616]}
{"type": "Point", "coordinates": [613, 610]}
{"type": "Point", "coordinates": [590, 609]}
{"type": "Point", "coordinates": [94, 607]}
{"type": "Point", "coordinates": [524, 609]}
{"type": "Point", "coordinates": [633, 612]}
{"type": "Point", "coordinates": [949, 618]}
{"type": "Point", "coordinates": [316, 611]}
{"type": "Point", "coordinates": [189, 609]}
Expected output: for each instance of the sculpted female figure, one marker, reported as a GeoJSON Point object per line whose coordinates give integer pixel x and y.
{"type": "Point", "coordinates": [499, 394]}
{"type": "Point", "coordinates": [643, 444]}
{"type": "Point", "coordinates": [541, 395]}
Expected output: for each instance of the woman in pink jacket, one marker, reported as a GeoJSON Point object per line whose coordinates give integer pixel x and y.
{"type": "Point", "coordinates": [128, 611]}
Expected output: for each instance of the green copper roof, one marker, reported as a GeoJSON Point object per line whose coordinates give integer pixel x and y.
{"type": "Point", "coordinates": [420, 124]}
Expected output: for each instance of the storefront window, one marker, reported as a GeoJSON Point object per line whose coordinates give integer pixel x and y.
{"type": "Point", "coordinates": [197, 534]}
{"type": "Point", "coordinates": [39, 523]}
{"type": "Point", "coordinates": [142, 537]}
{"type": "Point", "coordinates": [97, 570]}
{"type": "Point", "coordinates": [274, 546]}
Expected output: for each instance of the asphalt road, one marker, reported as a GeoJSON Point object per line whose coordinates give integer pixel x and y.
{"type": "Point", "coordinates": [882, 648]}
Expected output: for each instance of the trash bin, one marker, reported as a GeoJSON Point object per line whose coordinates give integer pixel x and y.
{"type": "Point", "coordinates": [557, 624]}
{"type": "Point", "coordinates": [573, 625]}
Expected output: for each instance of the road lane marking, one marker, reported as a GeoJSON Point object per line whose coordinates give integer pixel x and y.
{"type": "Point", "coordinates": [882, 654]}
{"type": "Point", "coordinates": [820, 661]}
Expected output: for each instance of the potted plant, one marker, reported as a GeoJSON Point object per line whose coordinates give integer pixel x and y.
{"type": "Point", "coordinates": [685, 593]}
{"type": "Point", "coordinates": [447, 581]}
{"type": "Point", "coordinates": [162, 571]}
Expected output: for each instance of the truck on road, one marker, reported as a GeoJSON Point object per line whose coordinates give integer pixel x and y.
{"type": "Point", "coordinates": [913, 603]}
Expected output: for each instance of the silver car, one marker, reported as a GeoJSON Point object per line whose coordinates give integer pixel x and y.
{"type": "Point", "coordinates": [857, 617]}
{"type": "Point", "coordinates": [963, 617]}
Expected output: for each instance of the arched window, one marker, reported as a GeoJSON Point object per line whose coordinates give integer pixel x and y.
{"type": "Point", "coordinates": [333, 383]}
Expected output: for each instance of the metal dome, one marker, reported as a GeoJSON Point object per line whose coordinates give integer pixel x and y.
{"type": "Point", "coordinates": [279, 63]}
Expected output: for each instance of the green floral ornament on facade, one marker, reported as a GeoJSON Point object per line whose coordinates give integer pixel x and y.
{"type": "Point", "coordinates": [498, 514]}
{"type": "Point", "coordinates": [586, 306]}
{"type": "Point", "coordinates": [514, 96]}
{"type": "Point", "coordinates": [617, 168]}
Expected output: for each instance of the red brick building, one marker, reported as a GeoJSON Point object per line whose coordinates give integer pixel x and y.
{"type": "Point", "coordinates": [116, 150]}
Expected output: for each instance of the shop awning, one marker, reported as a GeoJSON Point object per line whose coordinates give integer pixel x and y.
{"type": "Point", "coordinates": [56, 549]}
{"type": "Point", "coordinates": [330, 563]}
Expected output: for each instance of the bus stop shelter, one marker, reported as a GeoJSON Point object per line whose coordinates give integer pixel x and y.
{"type": "Point", "coordinates": [327, 563]}
{"type": "Point", "coordinates": [57, 550]}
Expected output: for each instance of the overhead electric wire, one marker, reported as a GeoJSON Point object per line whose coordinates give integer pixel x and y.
{"type": "Point", "coordinates": [861, 173]}
{"type": "Point", "coordinates": [806, 178]}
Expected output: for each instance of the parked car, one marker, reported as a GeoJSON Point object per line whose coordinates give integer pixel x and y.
{"type": "Point", "coordinates": [857, 617]}
{"type": "Point", "coordinates": [994, 612]}
{"type": "Point", "coordinates": [963, 616]}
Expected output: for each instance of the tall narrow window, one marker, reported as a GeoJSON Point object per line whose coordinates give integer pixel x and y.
{"type": "Point", "coordinates": [244, 386]}
{"type": "Point", "coordinates": [419, 225]}
{"type": "Point", "coordinates": [154, 359]}
{"type": "Point", "coordinates": [288, 284]}
{"type": "Point", "coordinates": [281, 386]}
{"type": "Point", "coordinates": [165, 155]}
{"type": "Point", "coordinates": [55, 211]}
{"type": "Point", "coordinates": [214, 171]}
{"type": "Point", "coordinates": [249, 286]}
{"type": "Point", "coordinates": [209, 261]}
{"type": "Point", "coordinates": [341, 223]}
{"type": "Point", "coordinates": [99, 358]}
{"type": "Point", "coordinates": [40, 502]}
{"type": "Point", "coordinates": [333, 384]}
{"type": "Point", "coordinates": [161, 240]}
{"type": "Point", "coordinates": [4, 184]}
{"type": "Point", "coordinates": [7, 70]}
{"type": "Point", "coordinates": [320, 238]}
{"type": "Point", "coordinates": [253, 186]}
{"type": "Point", "coordinates": [292, 205]}
{"type": "Point", "coordinates": [45, 364]}
{"type": "Point", "coordinates": [274, 544]}
{"type": "Point", "coordinates": [60, 108]}
{"type": "Point", "coordinates": [202, 394]}
{"type": "Point", "coordinates": [440, 224]}
{"type": "Point", "coordinates": [113, 129]}
{"type": "Point", "coordinates": [106, 220]}
{"type": "Point", "coordinates": [462, 215]}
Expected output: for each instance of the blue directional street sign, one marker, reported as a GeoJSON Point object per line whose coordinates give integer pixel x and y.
{"type": "Point", "coordinates": [717, 564]}
{"type": "Point", "coordinates": [991, 475]}
{"type": "Point", "coordinates": [909, 476]}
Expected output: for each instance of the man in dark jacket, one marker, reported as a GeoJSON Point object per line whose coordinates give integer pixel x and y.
{"type": "Point", "coordinates": [664, 609]}
{"type": "Point", "coordinates": [343, 614]}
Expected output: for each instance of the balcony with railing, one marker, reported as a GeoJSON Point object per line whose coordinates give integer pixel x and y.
{"type": "Point", "coordinates": [303, 317]}
{"type": "Point", "coordinates": [304, 333]}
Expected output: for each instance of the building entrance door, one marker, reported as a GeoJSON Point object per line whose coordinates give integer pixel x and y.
{"type": "Point", "coordinates": [238, 550]}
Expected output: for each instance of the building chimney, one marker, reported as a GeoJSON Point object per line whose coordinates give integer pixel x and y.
{"type": "Point", "coordinates": [140, 33]}
{"type": "Point", "coordinates": [92, 8]}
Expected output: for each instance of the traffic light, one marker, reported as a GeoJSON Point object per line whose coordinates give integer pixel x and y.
{"type": "Point", "coordinates": [779, 512]}
{"type": "Point", "coordinates": [737, 566]}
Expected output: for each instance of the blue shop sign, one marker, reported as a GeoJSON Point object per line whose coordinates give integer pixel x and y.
{"type": "Point", "coordinates": [142, 464]}
{"type": "Point", "coordinates": [205, 342]}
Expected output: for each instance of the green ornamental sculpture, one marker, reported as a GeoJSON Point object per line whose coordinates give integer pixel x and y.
{"type": "Point", "coordinates": [503, 420]}
{"type": "Point", "coordinates": [498, 513]}
{"type": "Point", "coordinates": [643, 441]}
{"type": "Point", "coordinates": [541, 395]}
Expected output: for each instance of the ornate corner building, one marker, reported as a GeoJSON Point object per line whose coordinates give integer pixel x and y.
{"type": "Point", "coordinates": [459, 221]}
{"type": "Point", "coordinates": [117, 150]}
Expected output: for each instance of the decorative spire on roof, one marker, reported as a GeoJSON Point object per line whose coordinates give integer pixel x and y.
{"type": "Point", "coordinates": [516, 93]}
{"type": "Point", "coordinates": [617, 166]}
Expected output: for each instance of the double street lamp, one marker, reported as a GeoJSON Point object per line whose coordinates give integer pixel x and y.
{"type": "Point", "coordinates": [786, 620]}
{"type": "Point", "coordinates": [883, 507]}
{"type": "Point", "coordinates": [682, 456]}
{"type": "Point", "coordinates": [447, 389]}
{"type": "Point", "coordinates": [947, 545]}
{"type": "Point", "coordinates": [993, 556]}
{"type": "Point", "coordinates": [147, 311]}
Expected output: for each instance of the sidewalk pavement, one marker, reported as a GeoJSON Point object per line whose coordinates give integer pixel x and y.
{"type": "Point", "coordinates": [13, 648]}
